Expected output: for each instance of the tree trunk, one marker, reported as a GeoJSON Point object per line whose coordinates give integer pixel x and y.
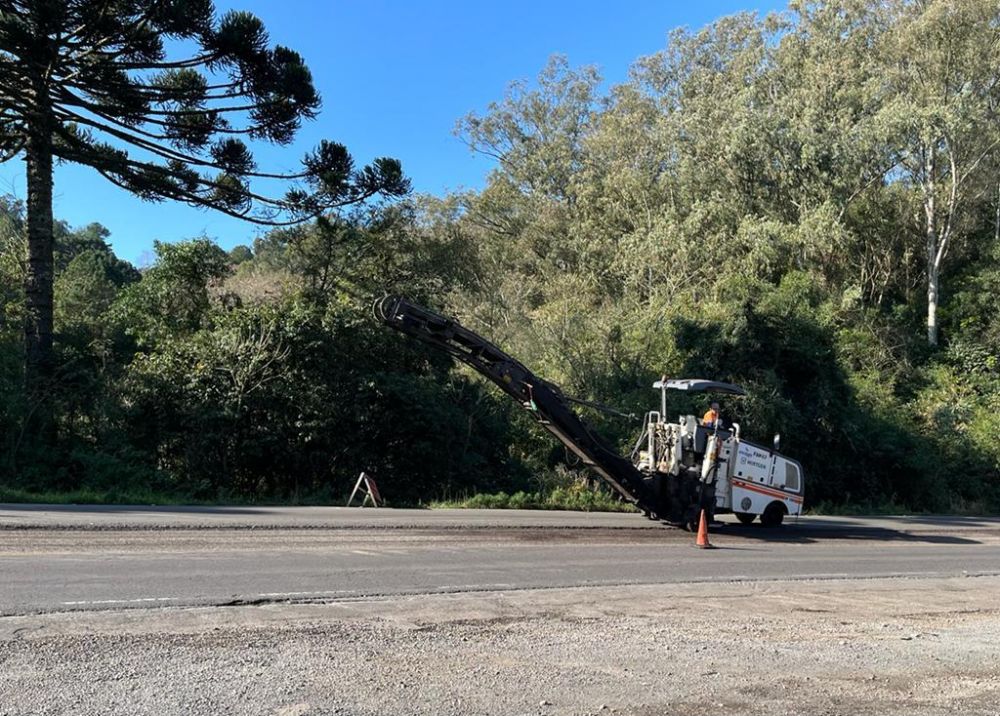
{"type": "Point", "coordinates": [933, 275]}
{"type": "Point", "coordinates": [39, 362]}
{"type": "Point", "coordinates": [996, 223]}
{"type": "Point", "coordinates": [933, 281]}
{"type": "Point", "coordinates": [930, 229]}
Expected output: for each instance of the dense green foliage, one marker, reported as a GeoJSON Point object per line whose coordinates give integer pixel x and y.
{"type": "Point", "coordinates": [789, 203]}
{"type": "Point", "coordinates": [212, 379]}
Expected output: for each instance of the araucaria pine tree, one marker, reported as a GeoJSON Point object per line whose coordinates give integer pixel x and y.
{"type": "Point", "coordinates": [159, 96]}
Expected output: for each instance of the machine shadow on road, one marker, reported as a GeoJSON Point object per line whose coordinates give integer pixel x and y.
{"type": "Point", "coordinates": [803, 534]}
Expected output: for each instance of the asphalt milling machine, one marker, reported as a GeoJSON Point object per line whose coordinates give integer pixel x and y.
{"type": "Point", "coordinates": [677, 468]}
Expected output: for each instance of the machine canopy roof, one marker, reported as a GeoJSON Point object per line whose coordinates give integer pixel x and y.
{"type": "Point", "coordinates": [699, 385]}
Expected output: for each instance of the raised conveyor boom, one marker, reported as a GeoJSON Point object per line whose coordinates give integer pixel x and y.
{"type": "Point", "coordinates": [542, 398]}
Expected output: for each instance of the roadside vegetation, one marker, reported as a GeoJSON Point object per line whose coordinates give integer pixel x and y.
{"type": "Point", "coordinates": [578, 497]}
{"type": "Point", "coordinates": [806, 204]}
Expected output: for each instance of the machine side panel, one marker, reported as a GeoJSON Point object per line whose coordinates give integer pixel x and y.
{"type": "Point", "coordinates": [750, 497]}
{"type": "Point", "coordinates": [753, 463]}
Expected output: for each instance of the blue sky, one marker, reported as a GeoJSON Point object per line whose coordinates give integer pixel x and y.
{"type": "Point", "coordinates": [395, 77]}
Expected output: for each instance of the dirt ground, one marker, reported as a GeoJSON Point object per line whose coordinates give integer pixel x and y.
{"type": "Point", "coordinates": [886, 646]}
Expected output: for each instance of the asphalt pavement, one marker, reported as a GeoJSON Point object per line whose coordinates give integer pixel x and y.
{"type": "Point", "coordinates": [102, 558]}
{"type": "Point", "coordinates": [25, 516]}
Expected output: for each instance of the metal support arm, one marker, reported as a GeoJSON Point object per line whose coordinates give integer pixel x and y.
{"type": "Point", "coordinates": [543, 399]}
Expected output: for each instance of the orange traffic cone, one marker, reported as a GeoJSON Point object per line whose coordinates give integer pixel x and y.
{"type": "Point", "coordinates": [702, 540]}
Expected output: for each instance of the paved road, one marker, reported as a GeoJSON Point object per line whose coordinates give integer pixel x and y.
{"type": "Point", "coordinates": [85, 558]}
{"type": "Point", "coordinates": [152, 517]}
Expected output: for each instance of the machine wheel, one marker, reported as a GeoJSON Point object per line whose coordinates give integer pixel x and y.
{"type": "Point", "coordinates": [773, 515]}
{"type": "Point", "coordinates": [745, 518]}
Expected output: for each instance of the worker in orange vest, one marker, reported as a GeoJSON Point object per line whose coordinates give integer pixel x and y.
{"type": "Point", "coordinates": [711, 418]}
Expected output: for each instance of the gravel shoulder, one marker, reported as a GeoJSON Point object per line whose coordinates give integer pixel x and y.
{"type": "Point", "coordinates": [885, 646]}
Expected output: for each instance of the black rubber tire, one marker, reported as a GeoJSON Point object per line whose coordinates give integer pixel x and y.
{"type": "Point", "coordinates": [746, 518]}
{"type": "Point", "coordinates": [773, 515]}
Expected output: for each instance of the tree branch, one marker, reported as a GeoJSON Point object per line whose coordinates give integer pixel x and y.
{"type": "Point", "coordinates": [205, 204]}
{"type": "Point", "coordinates": [11, 153]}
{"type": "Point", "coordinates": [167, 153]}
{"type": "Point", "coordinates": [178, 65]}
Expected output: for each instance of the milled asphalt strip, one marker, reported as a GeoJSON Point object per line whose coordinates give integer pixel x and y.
{"type": "Point", "coordinates": [95, 517]}
{"type": "Point", "coordinates": [135, 517]}
{"type": "Point", "coordinates": [308, 526]}
{"type": "Point", "coordinates": [786, 533]}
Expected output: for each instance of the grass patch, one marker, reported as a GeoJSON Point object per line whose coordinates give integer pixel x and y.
{"type": "Point", "coordinates": [146, 497]}
{"type": "Point", "coordinates": [560, 498]}
{"type": "Point", "coordinates": [94, 497]}
{"type": "Point", "coordinates": [962, 508]}
{"type": "Point", "coordinates": [834, 509]}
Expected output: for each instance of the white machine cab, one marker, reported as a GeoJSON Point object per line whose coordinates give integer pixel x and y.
{"type": "Point", "coordinates": [727, 473]}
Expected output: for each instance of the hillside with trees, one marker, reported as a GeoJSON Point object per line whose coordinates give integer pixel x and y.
{"type": "Point", "coordinates": [807, 204]}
